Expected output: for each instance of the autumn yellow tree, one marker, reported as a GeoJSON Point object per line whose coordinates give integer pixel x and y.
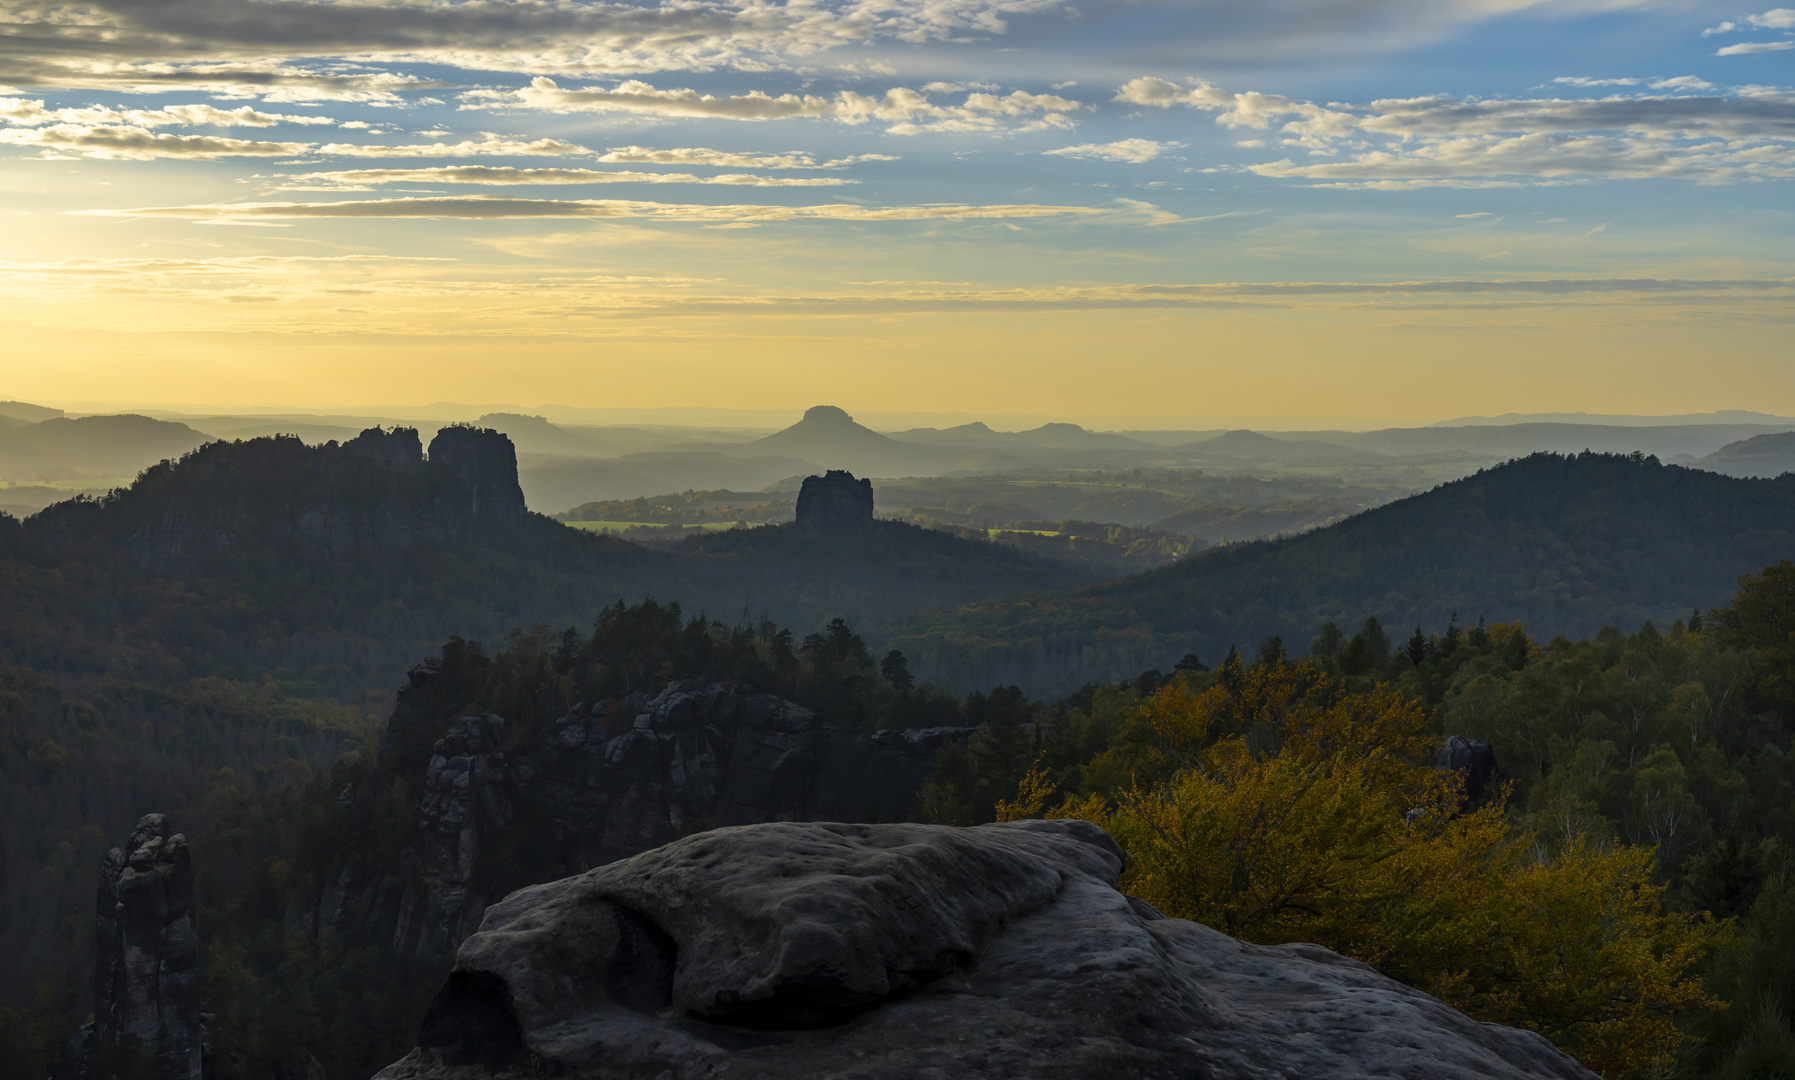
{"type": "Point", "coordinates": [1277, 807]}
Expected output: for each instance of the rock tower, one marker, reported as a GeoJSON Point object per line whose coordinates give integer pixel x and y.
{"type": "Point", "coordinates": [486, 461]}
{"type": "Point", "coordinates": [146, 962]}
{"type": "Point", "coordinates": [835, 503]}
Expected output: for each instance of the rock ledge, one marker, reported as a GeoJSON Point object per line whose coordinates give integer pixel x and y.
{"type": "Point", "coordinates": [886, 951]}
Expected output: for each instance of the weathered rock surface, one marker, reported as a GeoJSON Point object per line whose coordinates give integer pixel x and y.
{"type": "Point", "coordinates": [1473, 760]}
{"type": "Point", "coordinates": [835, 503]}
{"type": "Point", "coordinates": [486, 462]}
{"type": "Point", "coordinates": [871, 951]}
{"type": "Point", "coordinates": [146, 961]}
{"type": "Point", "coordinates": [614, 779]}
{"type": "Point", "coordinates": [399, 445]}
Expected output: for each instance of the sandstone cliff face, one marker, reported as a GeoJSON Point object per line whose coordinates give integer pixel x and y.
{"type": "Point", "coordinates": [146, 961]}
{"type": "Point", "coordinates": [486, 462]}
{"type": "Point", "coordinates": [399, 445]}
{"type": "Point", "coordinates": [611, 780]}
{"type": "Point", "coordinates": [250, 499]}
{"type": "Point", "coordinates": [809, 950]}
{"type": "Point", "coordinates": [835, 504]}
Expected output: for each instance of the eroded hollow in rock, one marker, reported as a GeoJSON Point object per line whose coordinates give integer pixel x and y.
{"type": "Point", "coordinates": [819, 1001]}
{"type": "Point", "coordinates": [471, 1022]}
{"type": "Point", "coordinates": [639, 976]}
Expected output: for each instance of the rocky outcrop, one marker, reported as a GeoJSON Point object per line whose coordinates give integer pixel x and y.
{"type": "Point", "coordinates": [399, 445]}
{"type": "Point", "coordinates": [1472, 760]}
{"type": "Point", "coordinates": [611, 780]}
{"type": "Point", "coordinates": [486, 462]}
{"type": "Point", "coordinates": [277, 498]}
{"type": "Point", "coordinates": [895, 951]}
{"type": "Point", "coordinates": [146, 962]}
{"type": "Point", "coordinates": [835, 503]}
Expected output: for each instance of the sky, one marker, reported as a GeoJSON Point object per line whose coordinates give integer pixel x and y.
{"type": "Point", "coordinates": [1098, 208]}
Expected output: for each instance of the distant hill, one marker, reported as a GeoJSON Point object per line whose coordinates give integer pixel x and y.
{"type": "Point", "coordinates": [26, 412]}
{"type": "Point", "coordinates": [337, 566]}
{"type": "Point", "coordinates": [1723, 416]}
{"type": "Point", "coordinates": [1563, 544]}
{"type": "Point", "coordinates": [554, 484]}
{"type": "Point", "coordinates": [61, 448]}
{"type": "Point", "coordinates": [1760, 455]}
{"type": "Point", "coordinates": [829, 438]}
{"type": "Point", "coordinates": [1514, 440]}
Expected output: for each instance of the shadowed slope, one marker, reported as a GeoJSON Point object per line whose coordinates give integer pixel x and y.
{"type": "Point", "coordinates": [1564, 544]}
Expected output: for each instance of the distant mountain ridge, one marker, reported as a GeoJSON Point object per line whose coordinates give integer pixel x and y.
{"type": "Point", "coordinates": [1722, 416]}
{"type": "Point", "coordinates": [1760, 455]}
{"type": "Point", "coordinates": [1563, 544]}
{"type": "Point", "coordinates": [64, 448]}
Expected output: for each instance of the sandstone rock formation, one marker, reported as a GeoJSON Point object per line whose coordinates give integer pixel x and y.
{"type": "Point", "coordinates": [815, 950]}
{"type": "Point", "coordinates": [486, 462]}
{"type": "Point", "coordinates": [835, 503]}
{"type": "Point", "coordinates": [1474, 760]}
{"type": "Point", "coordinates": [399, 445]}
{"type": "Point", "coordinates": [146, 962]}
{"type": "Point", "coordinates": [611, 780]}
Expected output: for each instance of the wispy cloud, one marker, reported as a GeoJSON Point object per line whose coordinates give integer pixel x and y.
{"type": "Point", "coordinates": [26, 112]}
{"type": "Point", "coordinates": [487, 145]}
{"type": "Point", "coordinates": [139, 144]}
{"type": "Point", "coordinates": [1747, 48]}
{"type": "Point", "coordinates": [488, 207]}
{"type": "Point", "coordinates": [1132, 151]}
{"type": "Point", "coordinates": [503, 176]}
{"type": "Point", "coordinates": [1441, 141]}
{"type": "Point", "coordinates": [907, 111]}
{"type": "Point", "coordinates": [695, 155]}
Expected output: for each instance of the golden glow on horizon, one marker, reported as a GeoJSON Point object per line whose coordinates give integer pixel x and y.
{"type": "Point", "coordinates": [1379, 356]}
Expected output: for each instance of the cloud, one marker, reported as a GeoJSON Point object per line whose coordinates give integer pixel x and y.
{"type": "Point", "coordinates": [908, 111]}
{"type": "Point", "coordinates": [79, 46]}
{"type": "Point", "coordinates": [488, 144]}
{"type": "Point", "coordinates": [1133, 151]}
{"type": "Point", "coordinates": [1441, 141]}
{"type": "Point", "coordinates": [1746, 48]}
{"type": "Point", "coordinates": [491, 207]}
{"type": "Point", "coordinates": [1683, 82]}
{"type": "Point", "coordinates": [139, 144]}
{"type": "Point", "coordinates": [23, 112]}
{"type": "Point", "coordinates": [695, 155]}
{"type": "Point", "coordinates": [506, 176]}
{"type": "Point", "coordinates": [270, 81]}
{"type": "Point", "coordinates": [1774, 19]}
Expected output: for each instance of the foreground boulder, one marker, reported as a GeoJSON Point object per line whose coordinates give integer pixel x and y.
{"type": "Point", "coordinates": [872, 951]}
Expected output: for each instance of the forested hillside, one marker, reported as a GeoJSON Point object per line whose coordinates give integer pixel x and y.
{"type": "Point", "coordinates": [236, 620]}
{"type": "Point", "coordinates": [1563, 544]}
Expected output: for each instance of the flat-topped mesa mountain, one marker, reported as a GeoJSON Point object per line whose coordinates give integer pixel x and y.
{"type": "Point", "coordinates": [1563, 544]}
{"type": "Point", "coordinates": [503, 803]}
{"type": "Point", "coordinates": [887, 952]}
{"type": "Point", "coordinates": [829, 437]}
{"type": "Point", "coordinates": [375, 490]}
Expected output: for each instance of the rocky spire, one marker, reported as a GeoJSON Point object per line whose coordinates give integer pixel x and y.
{"type": "Point", "coordinates": [486, 461]}
{"type": "Point", "coordinates": [146, 962]}
{"type": "Point", "coordinates": [835, 503]}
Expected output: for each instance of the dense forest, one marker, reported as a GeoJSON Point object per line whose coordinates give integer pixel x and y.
{"type": "Point", "coordinates": [1621, 884]}
{"type": "Point", "coordinates": [1564, 544]}
{"type": "Point", "coordinates": [221, 641]}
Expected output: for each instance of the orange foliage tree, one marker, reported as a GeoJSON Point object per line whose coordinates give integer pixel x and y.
{"type": "Point", "coordinates": [1277, 807]}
